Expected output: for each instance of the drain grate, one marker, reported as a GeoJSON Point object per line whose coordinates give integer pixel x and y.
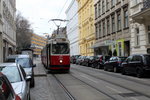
{"type": "Point", "coordinates": [129, 94]}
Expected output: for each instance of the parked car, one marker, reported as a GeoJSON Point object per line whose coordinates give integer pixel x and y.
{"type": "Point", "coordinates": [80, 60]}
{"type": "Point", "coordinates": [138, 64]}
{"type": "Point", "coordinates": [114, 64]}
{"type": "Point", "coordinates": [17, 76]}
{"type": "Point", "coordinates": [86, 61]}
{"type": "Point", "coordinates": [6, 90]}
{"type": "Point", "coordinates": [99, 60]}
{"type": "Point", "coordinates": [26, 62]}
{"type": "Point", "coordinates": [74, 58]}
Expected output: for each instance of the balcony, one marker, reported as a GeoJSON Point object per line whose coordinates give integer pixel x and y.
{"type": "Point", "coordinates": [143, 16]}
{"type": "Point", "coordinates": [146, 4]}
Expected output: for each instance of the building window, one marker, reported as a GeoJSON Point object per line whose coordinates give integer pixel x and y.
{"type": "Point", "coordinates": [148, 34]}
{"type": "Point", "coordinates": [104, 32]}
{"type": "Point", "coordinates": [112, 3]}
{"type": "Point", "coordinates": [99, 8]}
{"type": "Point", "coordinates": [113, 23]}
{"type": "Point", "coordinates": [103, 6]}
{"type": "Point", "coordinates": [120, 49]}
{"type": "Point", "coordinates": [126, 19]}
{"type": "Point", "coordinates": [118, 21]}
{"type": "Point", "coordinates": [95, 11]}
{"type": "Point", "coordinates": [108, 26]}
{"type": "Point", "coordinates": [100, 33]}
{"type": "Point", "coordinates": [137, 36]}
{"type": "Point", "coordinates": [107, 4]}
{"type": "Point", "coordinates": [96, 31]}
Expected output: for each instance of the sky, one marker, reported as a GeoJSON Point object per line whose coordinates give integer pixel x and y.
{"type": "Point", "coordinates": [39, 12]}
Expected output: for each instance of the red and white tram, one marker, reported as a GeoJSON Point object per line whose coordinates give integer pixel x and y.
{"type": "Point", "coordinates": [56, 54]}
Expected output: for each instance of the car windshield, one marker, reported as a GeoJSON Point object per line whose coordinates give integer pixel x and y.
{"type": "Point", "coordinates": [24, 62]}
{"type": "Point", "coordinates": [11, 72]}
{"type": "Point", "coordinates": [60, 48]}
{"type": "Point", "coordinates": [147, 58]}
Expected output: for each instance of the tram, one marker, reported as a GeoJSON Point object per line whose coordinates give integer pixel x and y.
{"type": "Point", "coordinates": [56, 55]}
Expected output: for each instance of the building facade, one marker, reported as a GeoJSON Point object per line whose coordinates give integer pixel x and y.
{"type": "Point", "coordinates": [112, 27]}
{"type": "Point", "coordinates": [9, 27]}
{"type": "Point", "coordinates": [140, 26]}
{"type": "Point", "coordinates": [86, 26]}
{"type": "Point", "coordinates": [72, 27]}
{"type": "Point", "coordinates": [37, 43]}
{"type": "Point", "coordinates": [1, 31]}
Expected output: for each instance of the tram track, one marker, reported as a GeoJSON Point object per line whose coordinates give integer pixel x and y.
{"type": "Point", "coordinates": [71, 97]}
{"type": "Point", "coordinates": [122, 77]}
{"type": "Point", "coordinates": [113, 83]}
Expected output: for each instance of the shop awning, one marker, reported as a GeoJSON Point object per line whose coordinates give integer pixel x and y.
{"type": "Point", "coordinates": [96, 45]}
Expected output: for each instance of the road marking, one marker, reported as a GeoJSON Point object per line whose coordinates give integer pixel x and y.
{"type": "Point", "coordinates": [134, 98]}
{"type": "Point", "coordinates": [88, 78]}
{"type": "Point", "coordinates": [113, 89]}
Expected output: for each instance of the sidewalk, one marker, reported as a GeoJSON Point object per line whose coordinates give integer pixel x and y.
{"type": "Point", "coordinates": [39, 69]}
{"type": "Point", "coordinates": [42, 90]}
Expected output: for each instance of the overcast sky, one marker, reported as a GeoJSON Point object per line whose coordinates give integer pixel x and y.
{"type": "Point", "coordinates": [39, 12]}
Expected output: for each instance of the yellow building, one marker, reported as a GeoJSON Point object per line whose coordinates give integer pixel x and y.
{"type": "Point", "coordinates": [37, 43]}
{"type": "Point", "coordinates": [86, 26]}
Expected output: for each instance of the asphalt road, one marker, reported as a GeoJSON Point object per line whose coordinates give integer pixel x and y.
{"type": "Point", "coordinates": [85, 83]}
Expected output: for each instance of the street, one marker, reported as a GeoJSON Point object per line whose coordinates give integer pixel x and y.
{"type": "Point", "coordinates": [85, 83]}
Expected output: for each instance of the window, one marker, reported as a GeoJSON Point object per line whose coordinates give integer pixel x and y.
{"type": "Point", "coordinates": [113, 23]}
{"type": "Point", "coordinates": [112, 3]}
{"type": "Point", "coordinates": [137, 58]}
{"type": "Point", "coordinates": [100, 33]}
{"type": "Point", "coordinates": [126, 24]}
{"type": "Point", "coordinates": [103, 6]}
{"type": "Point", "coordinates": [107, 5]}
{"type": "Point", "coordinates": [149, 37]}
{"type": "Point", "coordinates": [118, 21]}
{"type": "Point", "coordinates": [108, 26]}
{"type": "Point", "coordinates": [96, 28]}
{"type": "Point", "coordinates": [120, 49]}
{"type": "Point", "coordinates": [137, 36]}
{"type": "Point", "coordinates": [95, 11]}
{"type": "Point", "coordinates": [99, 8]}
{"type": "Point", "coordinates": [104, 28]}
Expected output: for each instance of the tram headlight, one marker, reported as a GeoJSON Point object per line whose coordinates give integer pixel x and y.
{"type": "Point", "coordinates": [60, 61]}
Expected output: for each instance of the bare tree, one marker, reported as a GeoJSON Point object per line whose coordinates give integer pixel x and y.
{"type": "Point", "coordinates": [23, 32]}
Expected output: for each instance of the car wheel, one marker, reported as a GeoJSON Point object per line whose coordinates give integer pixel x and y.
{"type": "Point", "coordinates": [139, 73]}
{"type": "Point", "coordinates": [105, 69]}
{"type": "Point", "coordinates": [32, 83]}
{"type": "Point", "coordinates": [115, 69]}
{"type": "Point", "coordinates": [123, 72]}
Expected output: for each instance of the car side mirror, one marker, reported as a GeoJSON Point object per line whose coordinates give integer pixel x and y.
{"type": "Point", "coordinates": [28, 78]}
{"type": "Point", "coordinates": [34, 65]}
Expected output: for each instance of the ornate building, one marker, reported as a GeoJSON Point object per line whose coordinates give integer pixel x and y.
{"type": "Point", "coordinates": [86, 26]}
{"type": "Point", "coordinates": [112, 27]}
{"type": "Point", "coordinates": [140, 26]}
{"type": "Point", "coordinates": [9, 30]}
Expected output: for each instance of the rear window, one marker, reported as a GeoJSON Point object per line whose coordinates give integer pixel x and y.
{"type": "Point", "coordinates": [11, 72]}
{"type": "Point", "coordinates": [25, 62]}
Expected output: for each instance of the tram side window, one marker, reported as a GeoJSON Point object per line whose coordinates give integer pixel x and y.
{"type": "Point", "coordinates": [60, 48]}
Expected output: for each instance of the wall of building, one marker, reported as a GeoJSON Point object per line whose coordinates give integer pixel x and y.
{"type": "Point", "coordinates": [1, 27]}
{"type": "Point", "coordinates": [9, 29]}
{"type": "Point", "coordinates": [86, 26]}
{"type": "Point", "coordinates": [111, 31]}
{"type": "Point", "coordinates": [72, 27]}
{"type": "Point", "coordinates": [139, 28]}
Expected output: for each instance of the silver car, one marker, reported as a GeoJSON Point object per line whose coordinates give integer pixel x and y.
{"type": "Point", "coordinates": [17, 76]}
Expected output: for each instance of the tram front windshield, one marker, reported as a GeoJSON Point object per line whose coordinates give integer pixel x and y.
{"type": "Point", "coordinates": [60, 48]}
